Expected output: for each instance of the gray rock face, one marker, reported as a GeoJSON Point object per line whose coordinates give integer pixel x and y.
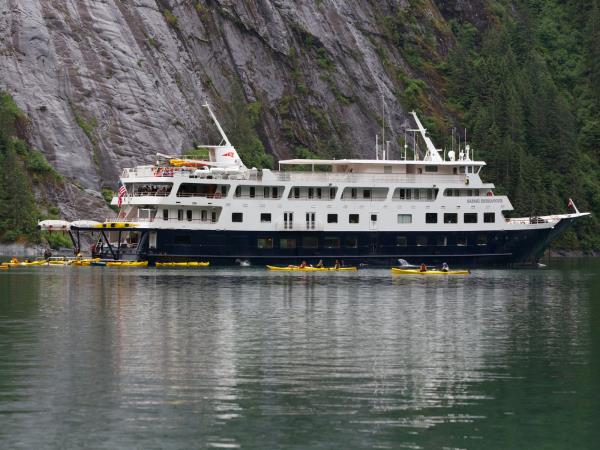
{"type": "Point", "coordinates": [110, 83]}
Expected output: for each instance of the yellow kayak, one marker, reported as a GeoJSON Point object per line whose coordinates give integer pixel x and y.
{"type": "Point", "coordinates": [428, 272]}
{"type": "Point", "coordinates": [85, 262]}
{"type": "Point", "coordinates": [183, 264]}
{"type": "Point", "coordinates": [311, 269]}
{"type": "Point", "coordinates": [127, 263]}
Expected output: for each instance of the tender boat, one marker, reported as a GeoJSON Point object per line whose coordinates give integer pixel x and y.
{"type": "Point", "coordinates": [400, 271]}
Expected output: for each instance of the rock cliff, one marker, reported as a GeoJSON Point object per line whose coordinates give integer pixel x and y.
{"type": "Point", "coordinates": [108, 83]}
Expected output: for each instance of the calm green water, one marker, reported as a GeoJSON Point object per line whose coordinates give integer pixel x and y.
{"type": "Point", "coordinates": [242, 358]}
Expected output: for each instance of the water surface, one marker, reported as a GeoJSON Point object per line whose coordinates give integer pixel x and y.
{"type": "Point", "coordinates": [109, 358]}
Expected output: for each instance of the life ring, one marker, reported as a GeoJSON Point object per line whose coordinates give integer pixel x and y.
{"type": "Point", "coordinates": [467, 181]}
{"type": "Point", "coordinates": [490, 194]}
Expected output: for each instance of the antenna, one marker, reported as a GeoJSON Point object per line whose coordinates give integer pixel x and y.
{"type": "Point", "coordinates": [377, 146]}
{"type": "Point", "coordinates": [383, 121]}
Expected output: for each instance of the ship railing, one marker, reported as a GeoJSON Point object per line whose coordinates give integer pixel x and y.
{"type": "Point", "coordinates": [325, 177]}
{"type": "Point", "coordinates": [148, 194]}
{"type": "Point", "coordinates": [533, 220]}
{"type": "Point", "coordinates": [299, 226]}
{"type": "Point", "coordinates": [216, 195]}
{"type": "Point", "coordinates": [256, 197]}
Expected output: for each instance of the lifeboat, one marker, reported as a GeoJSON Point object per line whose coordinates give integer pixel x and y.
{"type": "Point", "coordinates": [180, 162]}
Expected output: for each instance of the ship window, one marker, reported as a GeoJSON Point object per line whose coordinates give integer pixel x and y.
{"type": "Point", "coordinates": [421, 241]}
{"type": "Point", "coordinates": [367, 193]}
{"type": "Point", "coordinates": [213, 216]}
{"type": "Point", "coordinates": [353, 218]}
{"type": "Point", "coordinates": [441, 241]}
{"type": "Point", "coordinates": [189, 214]}
{"type": "Point", "coordinates": [310, 242]}
{"type": "Point", "coordinates": [331, 242]}
{"type": "Point", "coordinates": [373, 217]}
{"type": "Point", "coordinates": [332, 193]}
{"type": "Point", "coordinates": [180, 214]}
{"type": "Point", "coordinates": [203, 215]}
{"type": "Point", "coordinates": [319, 192]}
{"type": "Point", "coordinates": [252, 192]}
{"type": "Point", "coordinates": [404, 218]}
{"type": "Point", "coordinates": [237, 217]}
{"type": "Point", "coordinates": [266, 192]}
{"type": "Point", "coordinates": [489, 217]}
{"type": "Point", "coordinates": [387, 169]}
{"type": "Point", "coordinates": [264, 242]}
{"type": "Point", "coordinates": [165, 214]}
{"type": "Point", "coordinates": [450, 218]}
{"type": "Point", "coordinates": [223, 190]}
{"type": "Point", "coordinates": [461, 241]}
{"type": "Point", "coordinates": [470, 218]}
{"type": "Point", "coordinates": [462, 169]}
{"type": "Point", "coordinates": [238, 191]}
{"type": "Point", "coordinates": [351, 242]}
{"type": "Point", "coordinates": [296, 192]}
{"type": "Point", "coordinates": [332, 218]}
{"type": "Point", "coordinates": [287, 243]}
{"type": "Point", "coordinates": [275, 193]}
{"type": "Point", "coordinates": [183, 239]}
{"type": "Point", "coordinates": [482, 239]}
{"type": "Point", "coordinates": [431, 168]}
{"type": "Point", "coordinates": [401, 241]}
{"type": "Point", "coordinates": [431, 218]}
{"type": "Point", "coordinates": [417, 192]}
{"type": "Point", "coordinates": [311, 192]}
{"type": "Point", "coordinates": [265, 217]}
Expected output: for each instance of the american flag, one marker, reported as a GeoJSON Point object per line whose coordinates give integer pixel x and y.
{"type": "Point", "coordinates": [122, 193]}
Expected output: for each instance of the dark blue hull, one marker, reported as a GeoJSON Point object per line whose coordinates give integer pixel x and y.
{"type": "Point", "coordinates": [369, 248]}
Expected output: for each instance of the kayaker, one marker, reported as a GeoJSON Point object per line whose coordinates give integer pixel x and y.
{"type": "Point", "coordinates": [445, 267]}
{"type": "Point", "coordinates": [320, 264]}
{"type": "Point", "coordinates": [423, 268]}
{"type": "Point", "coordinates": [47, 253]}
{"type": "Point", "coordinates": [336, 266]}
{"type": "Point", "coordinates": [303, 264]}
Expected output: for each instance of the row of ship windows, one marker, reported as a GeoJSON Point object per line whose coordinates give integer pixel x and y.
{"type": "Point", "coordinates": [268, 242]}
{"type": "Point", "coordinates": [431, 218]}
{"type": "Point", "coordinates": [297, 192]}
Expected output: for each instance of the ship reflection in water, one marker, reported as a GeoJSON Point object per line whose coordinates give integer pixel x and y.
{"type": "Point", "coordinates": [244, 358]}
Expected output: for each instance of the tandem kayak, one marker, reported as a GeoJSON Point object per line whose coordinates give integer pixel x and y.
{"type": "Point", "coordinates": [311, 269]}
{"type": "Point", "coordinates": [85, 262]}
{"type": "Point", "coordinates": [127, 263]}
{"type": "Point", "coordinates": [183, 264]}
{"type": "Point", "coordinates": [428, 272]}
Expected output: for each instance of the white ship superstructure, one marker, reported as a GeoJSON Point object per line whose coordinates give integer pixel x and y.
{"type": "Point", "coordinates": [427, 206]}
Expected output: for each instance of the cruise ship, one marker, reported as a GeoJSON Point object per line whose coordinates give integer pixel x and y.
{"type": "Point", "coordinates": [430, 206]}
